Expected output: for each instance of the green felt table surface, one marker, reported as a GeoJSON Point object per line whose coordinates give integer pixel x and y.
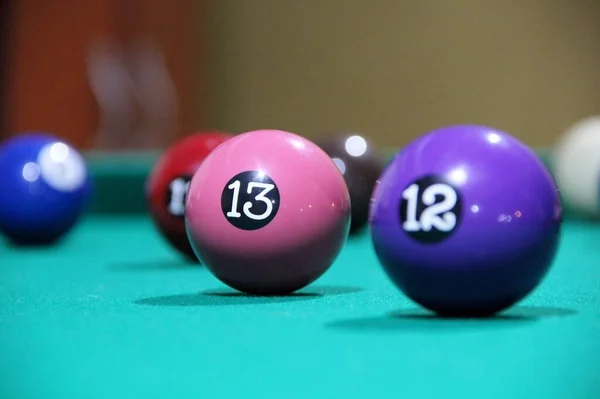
{"type": "Point", "coordinates": [114, 312]}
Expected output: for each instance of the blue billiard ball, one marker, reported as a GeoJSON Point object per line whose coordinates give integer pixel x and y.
{"type": "Point", "coordinates": [44, 188]}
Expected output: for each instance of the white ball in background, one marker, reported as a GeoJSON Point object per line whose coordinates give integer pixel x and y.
{"type": "Point", "coordinates": [576, 167]}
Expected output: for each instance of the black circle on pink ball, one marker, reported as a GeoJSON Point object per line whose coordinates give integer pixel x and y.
{"type": "Point", "coordinates": [250, 200]}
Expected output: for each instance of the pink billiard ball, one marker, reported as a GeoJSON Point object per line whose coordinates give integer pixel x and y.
{"type": "Point", "coordinates": [267, 212]}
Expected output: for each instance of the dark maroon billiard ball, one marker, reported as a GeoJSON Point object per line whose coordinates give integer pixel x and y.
{"type": "Point", "coordinates": [167, 185]}
{"type": "Point", "coordinates": [361, 164]}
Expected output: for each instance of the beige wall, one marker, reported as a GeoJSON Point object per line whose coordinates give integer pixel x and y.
{"type": "Point", "coordinates": [395, 69]}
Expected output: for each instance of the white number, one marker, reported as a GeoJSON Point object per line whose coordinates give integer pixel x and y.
{"type": "Point", "coordinates": [266, 187]}
{"type": "Point", "coordinates": [431, 215]}
{"type": "Point", "coordinates": [435, 215]}
{"type": "Point", "coordinates": [233, 213]}
{"type": "Point", "coordinates": [411, 195]}
{"type": "Point", "coordinates": [178, 189]}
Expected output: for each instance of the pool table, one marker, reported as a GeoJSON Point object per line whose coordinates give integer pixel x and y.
{"type": "Point", "coordinates": [113, 312]}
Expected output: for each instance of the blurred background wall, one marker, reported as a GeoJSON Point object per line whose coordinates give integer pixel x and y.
{"type": "Point", "coordinates": [393, 69]}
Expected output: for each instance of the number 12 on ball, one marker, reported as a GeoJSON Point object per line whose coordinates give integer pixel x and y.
{"type": "Point", "coordinates": [430, 209]}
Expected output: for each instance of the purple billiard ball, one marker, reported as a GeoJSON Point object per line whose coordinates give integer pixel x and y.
{"type": "Point", "coordinates": [466, 220]}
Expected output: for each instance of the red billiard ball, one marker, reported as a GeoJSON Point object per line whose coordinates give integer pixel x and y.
{"type": "Point", "coordinates": [166, 187]}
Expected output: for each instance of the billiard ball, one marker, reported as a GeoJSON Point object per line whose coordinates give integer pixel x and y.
{"type": "Point", "coordinates": [575, 162]}
{"type": "Point", "coordinates": [466, 220]}
{"type": "Point", "coordinates": [267, 212]}
{"type": "Point", "coordinates": [167, 184]}
{"type": "Point", "coordinates": [44, 189]}
{"type": "Point", "coordinates": [361, 164]}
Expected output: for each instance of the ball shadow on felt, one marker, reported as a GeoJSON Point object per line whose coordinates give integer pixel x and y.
{"type": "Point", "coordinates": [229, 297]}
{"type": "Point", "coordinates": [416, 319]}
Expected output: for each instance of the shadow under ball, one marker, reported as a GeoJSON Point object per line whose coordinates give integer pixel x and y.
{"type": "Point", "coordinates": [361, 164]}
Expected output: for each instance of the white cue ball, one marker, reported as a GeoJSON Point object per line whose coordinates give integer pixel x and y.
{"type": "Point", "coordinates": [576, 166]}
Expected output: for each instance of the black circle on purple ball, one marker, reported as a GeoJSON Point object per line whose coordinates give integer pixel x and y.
{"type": "Point", "coordinates": [430, 209]}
